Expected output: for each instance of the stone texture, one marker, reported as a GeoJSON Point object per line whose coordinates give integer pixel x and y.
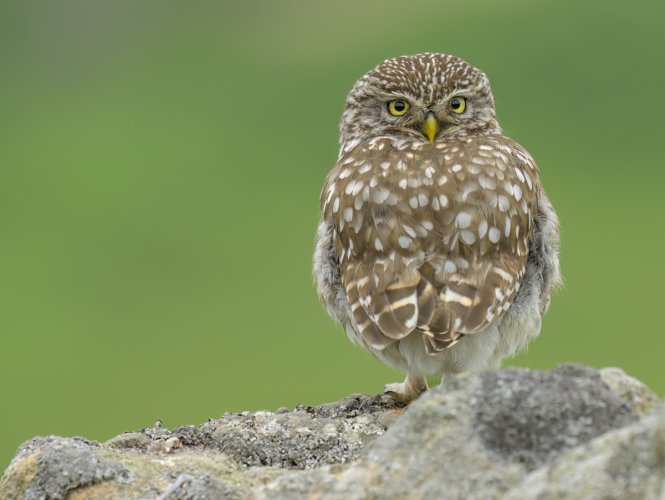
{"type": "Point", "coordinates": [627, 464]}
{"type": "Point", "coordinates": [522, 425]}
{"type": "Point", "coordinates": [638, 395]}
{"type": "Point", "coordinates": [52, 467]}
{"type": "Point", "coordinates": [306, 438]}
{"type": "Point", "coordinates": [572, 432]}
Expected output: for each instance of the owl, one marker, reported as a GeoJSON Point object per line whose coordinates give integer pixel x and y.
{"type": "Point", "coordinates": [437, 249]}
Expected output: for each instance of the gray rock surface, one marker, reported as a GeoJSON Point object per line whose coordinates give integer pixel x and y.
{"type": "Point", "coordinates": [63, 465]}
{"type": "Point", "coordinates": [625, 464]}
{"type": "Point", "coordinates": [520, 425]}
{"type": "Point", "coordinates": [639, 396]}
{"type": "Point", "coordinates": [572, 432]}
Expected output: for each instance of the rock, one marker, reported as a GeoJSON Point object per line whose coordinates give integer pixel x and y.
{"type": "Point", "coordinates": [306, 438]}
{"type": "Point", "coordinates": [477, 436]}
{"type": "Point", "coordinates": [640, 397]}
{"type": "Point", "coordinates": [628, 463]}
{"type": "Point", "coordinates": [572, 432]}
{"type": "Point", "coordinates": [136, 440]}
{"type": "Point", "coordinates": [521, 425]}
{"type": "Point", "coordinates": [51, 467]}
{"type": "Point", "coordinates": [189, 487]}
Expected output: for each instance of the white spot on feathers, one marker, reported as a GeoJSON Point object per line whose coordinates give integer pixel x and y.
{"type": "Point", "coordinates": [404, 241]}
{"type": "Point", "coordinates": [348, 214]}
{"type": "Point", "coordinates": [380, 195]}
{"type": "Point", "coordinates": [463, 220]}
{"type": "Point", "coordinates": [467, 237]}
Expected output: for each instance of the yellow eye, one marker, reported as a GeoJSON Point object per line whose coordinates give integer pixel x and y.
{"type": "Point", "coordinates": [458, 104]}
{"type": "Point", "coordinates": [398, 107]}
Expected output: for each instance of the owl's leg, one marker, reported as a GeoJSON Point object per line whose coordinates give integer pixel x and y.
{"type": "Point", "coordinates": [405, 392]}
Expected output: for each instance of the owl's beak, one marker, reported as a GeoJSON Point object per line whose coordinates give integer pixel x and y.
{"type": "Point", "coordinates": [431, 126]}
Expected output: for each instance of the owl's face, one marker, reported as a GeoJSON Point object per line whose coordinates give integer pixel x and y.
{"type": "Point", "coordinates": [426, 97]}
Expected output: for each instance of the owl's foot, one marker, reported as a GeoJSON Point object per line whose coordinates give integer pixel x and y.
{"type": "Point", "coordinates": [405, 392]}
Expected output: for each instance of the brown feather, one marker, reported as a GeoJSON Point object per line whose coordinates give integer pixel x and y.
{"type": "Point", "coordinates": [433, 237]}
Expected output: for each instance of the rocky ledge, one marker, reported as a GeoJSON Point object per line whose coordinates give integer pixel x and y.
{"type": "Point", "coordinates": [572, 432]}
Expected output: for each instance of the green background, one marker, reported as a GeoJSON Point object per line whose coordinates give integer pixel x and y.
{"type": "Point", "coordinates": [160, 166]}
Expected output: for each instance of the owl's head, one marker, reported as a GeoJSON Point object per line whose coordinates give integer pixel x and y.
{"type": "Point", "coordinates": [428, 97]}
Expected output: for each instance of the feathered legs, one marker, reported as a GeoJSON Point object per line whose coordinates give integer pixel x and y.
{"type": "Point", "coordinates": [405, 392]}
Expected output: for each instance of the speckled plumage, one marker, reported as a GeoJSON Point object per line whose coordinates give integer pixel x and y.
{"type": "Point", "coordinates": [435, 255]}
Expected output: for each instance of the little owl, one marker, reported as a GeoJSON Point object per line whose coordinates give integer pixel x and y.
{"type": "Point", "coordinates": [437, 248]}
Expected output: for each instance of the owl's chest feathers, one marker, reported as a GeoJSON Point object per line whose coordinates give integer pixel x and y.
{"type": "Point", "coordinates": [419, 205]}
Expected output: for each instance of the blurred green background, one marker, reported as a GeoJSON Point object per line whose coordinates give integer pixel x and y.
{"type": "Point", "coordinates": [160, 166]}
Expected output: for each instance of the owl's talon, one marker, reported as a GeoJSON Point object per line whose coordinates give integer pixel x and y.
{"type": "Point", "coordinates": [407, 391]}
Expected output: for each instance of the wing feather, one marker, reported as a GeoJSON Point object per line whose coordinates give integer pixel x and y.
{"type": "Point", "coordinates": [433, 238]}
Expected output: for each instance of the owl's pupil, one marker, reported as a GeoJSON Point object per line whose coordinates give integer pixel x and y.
{"type": "Point", "coordinates": [455, 104]}
{"type": "Point", "coordinates": [399, 106]}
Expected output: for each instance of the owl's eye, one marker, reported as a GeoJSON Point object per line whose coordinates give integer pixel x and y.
{"type": "Point", "coordinates": [398, 107]}
{"type": "Point", "coordinates": [458, 104]}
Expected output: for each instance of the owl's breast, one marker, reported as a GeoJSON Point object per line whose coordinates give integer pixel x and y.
{"type": "Point", "coordinates": [471, 196]}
